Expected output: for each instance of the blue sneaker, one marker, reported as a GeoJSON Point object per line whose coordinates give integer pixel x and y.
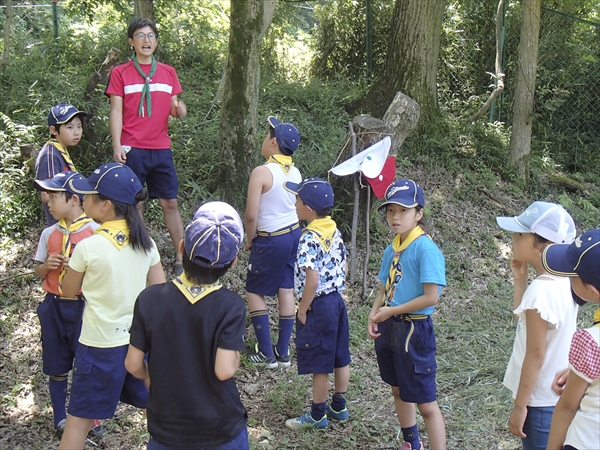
{"type": "Point", "coordinates": [306, 421]}
{"type": "Point", "coordinates": [340, 416]}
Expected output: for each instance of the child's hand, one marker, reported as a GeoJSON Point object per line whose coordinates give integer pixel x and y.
{"type": "Point", "coordinates": [520, 270]}
{"type": "Point", "coordinates": [516, 421]}
{"type": "Point", "coordinates": [54, 261]}
{"type": "Point", "coordinates": [372, 328]}
{"type": "Point", "coordinates": [301, 317]}
{"type": "Point", "coordinates": [560, 379]}
{"type": "Point", "coordinates": [382, 314]}
{"type": "Point", "coordinates": [120, 155]}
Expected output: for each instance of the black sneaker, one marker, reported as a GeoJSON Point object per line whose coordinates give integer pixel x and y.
{"type": "Point", "coordinates": [97, 430]}
{"type": "Point", "coordinates": [282, 361]}
{"type": "Point", "coordinates": [260, 359]}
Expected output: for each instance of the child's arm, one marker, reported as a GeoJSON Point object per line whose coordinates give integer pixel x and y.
{"type": "Point", "coordinates": [520, 272]}
{"type": "Point", "coordinates": [537, 329]}
{"type": "Point", "coordinates": [372, 328]}
{"type": "Point", "coordinates": [308, 295]}
{"type": "Point", "coordinates": [178, 108]}
{"type": "Point", "coordinates": [116, 128]}
{"type": "Point", "coordinates": [156, 274]}
{"type": "Point", "coordinates": [429, 298]}
{"type": "Point", "coordinates": [71, 283]}
{"type": "Point", "coordinates": [136, 365]}
{"type": "Point", "coordinates": [258, 180]}
{"type": "Point", "coordinates": [227, 363]}
{"type": "Point", "coordinates": [558, 384]}
{"type": "Point", "coordinates": [53, 262]}
{"type": "Point", "coordinates": [565, 410]}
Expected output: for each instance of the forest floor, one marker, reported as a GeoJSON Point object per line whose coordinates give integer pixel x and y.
{"type": "Point", "coordinates": [474, 329]}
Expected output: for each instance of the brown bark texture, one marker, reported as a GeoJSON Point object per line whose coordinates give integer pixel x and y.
{"type": "Point", "coordinates": [143, 9]}
{"type": "Point", "coordinates": [520, 137]}
{"type": "Point", "coordinates": [239, 108]}
{"type": "Point", "coordinates": [411, 61]}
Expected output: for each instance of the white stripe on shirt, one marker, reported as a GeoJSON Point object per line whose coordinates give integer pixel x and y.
{"type": "Point", "coordinates": [161, 87]}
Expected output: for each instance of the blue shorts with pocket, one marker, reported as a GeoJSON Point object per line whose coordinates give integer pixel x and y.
{"type": "Point", "coordinates": [156, 169]}
{"type": "Point", "coordinates": [100, 381]}
{"type": "Point", "coordinates": [406, 357]}
{"type": "Point", "coordinates": [60, 322]}
{"type": "Point", "coordinates": [240, 442]}
{"type": "Point", "coordinates": [323, 342]}
{"type": "Point", "coordinates": [272, 260]}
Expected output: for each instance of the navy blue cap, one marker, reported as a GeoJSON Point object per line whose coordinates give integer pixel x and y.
{"type": "Point", "coordinates": [315, 192]}
{"type": "Point", "coordinates": [405, 193]}
{"type": "Point", "coordinates": [62, 113]}
{"type": "Point", "coordinates": [287, 135]}
{"type": "Point", "coordinates": [115, 181]}
{"type": "Point", "coordinates": [59, 182]}
{"type": "Point", "coordinates": [579, 259]}
{"type": "Point", "coordinates": [214, 236]}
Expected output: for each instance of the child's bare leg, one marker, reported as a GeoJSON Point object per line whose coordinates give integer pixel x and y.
{"type": "Point", "coordinates": [342, 378]}
{"type": "Point", "coordinates": [320, 387]}
{"type": "Point", "coordinates": [75, 434]}
{"type": "Point", "coordinates": [434, 422]}
{"type": "Point", "coordinates": [256, 302]}
{"type": "Point", "coordinates": [287, 305]}
{"type": "Point", "coordinates": [407, 414]}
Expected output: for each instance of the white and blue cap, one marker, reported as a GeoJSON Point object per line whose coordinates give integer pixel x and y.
{"type": "Point", "coordinates": [579, 259]}
{"type": "Point", "coordinates": [548, 220]}
{"type": "Point", "coordinates": [405, 193]}
{"type": "Point", "coordinates": [62, 113]}
{"type": "Point", "coordinates": [287, 135]}
{"type": "Point", "coordinates": [112, 180]}
{"type": "Point", "coordinates": [315, 192]}
{"type": "Point", "coordinates": [214, 236]}
{"type": "Point", "coordinates": [59, 182]}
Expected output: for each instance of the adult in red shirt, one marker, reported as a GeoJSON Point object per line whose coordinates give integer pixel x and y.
{"type": "Point", "coordinates": [143, 94]}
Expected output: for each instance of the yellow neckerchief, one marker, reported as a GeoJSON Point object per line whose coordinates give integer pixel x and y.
{"type": "Point", "coordinates": [192, 291]}
{"type": "Point", "coordinates": [285, 162]}
{"type": "Point", "coordinates": [63, 151]}
{"type": "Point", "coordinates": [597, 317]}
{"type": "Point", "coordinates": [116, 231]}
{"type": "Point", "coordinates": [398, 246]}
{"type": "Point", "coordinates": [323, 229]}
{"type": "Point", "coordinates": [66, 230]}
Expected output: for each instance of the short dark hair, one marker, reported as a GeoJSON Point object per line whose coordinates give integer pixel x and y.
{"type": "Point", "coordinates": [139, 23]}
{"type": "Point", "coordinates": [202, 275]}
{"type": "Point", "coordinates": [324, 212]}
{"type": "Point", "coordinates": [67, 196]}
{"type": "Point", "coordinates": [539, 240]}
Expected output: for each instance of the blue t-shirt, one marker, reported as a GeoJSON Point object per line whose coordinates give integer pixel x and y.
{"type": "Point", "coordinates": [421, 262]}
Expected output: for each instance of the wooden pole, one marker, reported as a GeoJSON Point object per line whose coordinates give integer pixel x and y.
{"type": "Point", "coordinates": [356, 210]}
{"type": "Point", "coordinates": [367, 245]}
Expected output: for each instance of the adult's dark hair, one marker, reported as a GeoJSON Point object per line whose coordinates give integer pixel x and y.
{"type": "Point", "coordinates": [202, 275]}
{"type": "Point", "coordinates": [139, 23]}
{"type": "Point", "coordinates": [139, 239]}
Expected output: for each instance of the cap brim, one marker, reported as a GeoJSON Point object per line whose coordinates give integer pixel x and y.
{"type": "Point", "coordinates": [82, 186]}
{"type": "Point", "coordinates": [391, 202]}
{"type": "Point", "coordinates": [47, 185]}
{"type": "Point", "coordinates": [78, 113]}
{"type": "Point", "coordinates": [556, 262]}
{"type": "Point", "coordinates": [294, 188]}
{"type": "Point", "coordinates": [511, 224]}
{"type": "Point", "coordinates": [273, 121]}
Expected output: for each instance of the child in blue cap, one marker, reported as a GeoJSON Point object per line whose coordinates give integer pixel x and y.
{"type": "Point", "coordinates": [576, 418]}
{"type": "Point", "coordinates": [412, 275]}
{"type": "Point", "coordinates": [322, 333]}
{"type": "Point", "coordinates": [193, 329]}
{"type": "Point", "coordinates": [111, 268]}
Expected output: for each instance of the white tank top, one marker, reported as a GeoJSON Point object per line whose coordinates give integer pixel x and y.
{"type": "Point", "coordinates": [277, 207]}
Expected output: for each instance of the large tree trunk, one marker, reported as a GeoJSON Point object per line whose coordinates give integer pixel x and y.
{"type": "Point", "coordinates": [520, 137]}
{"type": "Point", "coordinates": [7, 24]}
{"type": "Point", "coordinates": [249, 20]}
{"type": "Point", "coordinates": [143, 9]}
{"type": "Point", "coordinates": [411, 61]}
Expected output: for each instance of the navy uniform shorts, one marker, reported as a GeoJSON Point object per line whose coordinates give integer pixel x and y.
{"type": "Point", "coordinates": [323, 342]}
{"type": "Point", "coordinates": [157, 169]}
{"type": "Point", "coordinates": [100, 381]}
{"type": "Point", "coordinates": [272, 260]}
{"type": "Point", "coordinates": [406, 357]}
{"type": "Point", "coordinates": [60, 322]}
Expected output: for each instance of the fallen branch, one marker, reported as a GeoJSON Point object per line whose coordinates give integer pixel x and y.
{"type": "Point", "coordinates": [16, 276]}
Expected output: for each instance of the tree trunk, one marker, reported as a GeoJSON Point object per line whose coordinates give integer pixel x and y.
{"type": "Point", "coordinates": [143, 9]}
{"type": "Point", "coordinates": [520, 137]}
{"type": "Point", "coordinates": [239, 110]}
{"type": "Point", "coordinates": [411, 61]}
{"type": "Point", "coordinates": [7, 24]}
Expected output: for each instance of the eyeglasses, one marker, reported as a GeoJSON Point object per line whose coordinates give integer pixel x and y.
{"type": "Point", "coordinates": [143, 36]}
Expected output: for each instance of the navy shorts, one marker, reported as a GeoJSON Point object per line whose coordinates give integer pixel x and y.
{"type": "Point", "coordinates": [100, 381]}
{"type": "Point", "coordinates": [60, 322]}
{"type": "Point", "coordinates": [240, 442]}
{"type": "Point", "coordinates": [271, 263]}
{"type": "Point", "coordinates": [406, 357]}
{"type": "Point", "coordinates": [157, 170]}
{"type": "Point", "coordinates": [323, 342]}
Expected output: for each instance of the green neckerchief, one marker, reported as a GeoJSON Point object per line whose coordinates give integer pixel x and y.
{"type": "Point", "coordinates": [146, 88]}
{"type": "Point", "coordinates": [399, 246]}
{"type": "Point", "coordinates": [324, 230]}
{"type": "Point", "coordinates": [192, 291]}
{"type": "Point", "coordinates": [65, 154]}
{"type": "Point", "coordinates": [285, 162]}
